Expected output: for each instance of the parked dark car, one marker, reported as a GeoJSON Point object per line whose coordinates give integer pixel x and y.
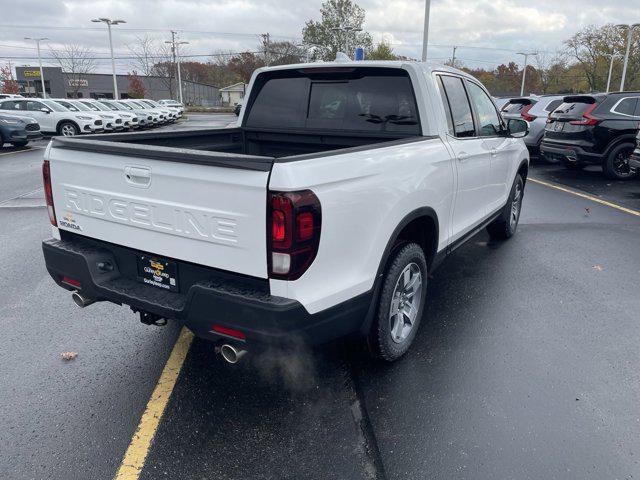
{"type": "Point", "coordinates": [594, 129]}
{"type": "Point", "coordinates": [18, 131]}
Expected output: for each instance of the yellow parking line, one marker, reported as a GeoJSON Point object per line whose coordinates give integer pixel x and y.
{"type": "Point", "coordinates": [588, 197]}
{"type": "Point", "coordinates": [136, 454]}
{"type": "Point", "coordinates": [30, 149]}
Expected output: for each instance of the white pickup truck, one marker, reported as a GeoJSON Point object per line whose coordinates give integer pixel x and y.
{"type": "Point", "coordinates": [319, 215]}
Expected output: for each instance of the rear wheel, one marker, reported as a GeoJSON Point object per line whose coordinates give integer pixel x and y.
{"type": "Point", "coordinates": [505, 225]}
{"type": "Point", "coordinates": [400, 305]}
{"type": "Point", "coordinates": [68, 129]}
{"type": "Point", "coordinates": [616, 165]}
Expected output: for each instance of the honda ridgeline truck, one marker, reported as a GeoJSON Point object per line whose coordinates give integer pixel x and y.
{"type": "Point", "coordinates": [320, 215]}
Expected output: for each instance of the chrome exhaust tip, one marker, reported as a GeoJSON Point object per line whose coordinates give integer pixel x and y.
{"type": "Point", "coordinates": [231, 354]}
{"type": "Point", "coordinates": [80, 300]}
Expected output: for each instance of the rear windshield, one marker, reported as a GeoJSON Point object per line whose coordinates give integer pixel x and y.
{"type": "Point", "coordinates": [514, 107]}
{"type": "Point", "coordinates": [553, 105]}
{"type": "Point", "coordinates": [353, 99]}
{"type": "Point", "coordinates": [572, 108]}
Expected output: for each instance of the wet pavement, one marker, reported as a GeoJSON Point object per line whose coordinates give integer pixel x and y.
{"type": "Point", "coordinates": [526, 365]}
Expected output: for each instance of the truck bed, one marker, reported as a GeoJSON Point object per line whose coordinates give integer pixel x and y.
{"type": "Point", "coordinates": [254, 149]}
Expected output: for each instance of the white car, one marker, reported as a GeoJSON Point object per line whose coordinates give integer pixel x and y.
{"type": "Point", "coordinates": [159, 117]}
{"type": "Point", "coordinates": [169, 113]}
{"type": "Point", "coordinates": [9, 95]}
{"type": "Point", "coordinates": [174, 105]}
{"type": "Point", "coordinates": [145, 119]}
{"type": "Point", "coordinates": [53, 117]}
{"type": "Point", "coordinates": [86, 111]}
{"type": "Point", "coordinates": [130, 119]}
{"type": "Point", "coordinates": [320, 218]}
{"type": "Point", "coordinates": [114, 121]}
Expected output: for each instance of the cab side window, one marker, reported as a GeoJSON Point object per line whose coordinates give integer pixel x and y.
{"type": "Point", "coordinates": [458, 105]}
{"type": "Point", "coordinates": [488, 119]}
{"type": "Point", "coordinates": [10, 105]}
{"type": "Point", "coordinates": [35, 106]}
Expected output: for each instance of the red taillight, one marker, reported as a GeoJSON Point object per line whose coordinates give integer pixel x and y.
{"type": "Point", "coordinates": [230, 332]}
{"type": "Point", "coordinates": [588, 119]}
{"type": "Point", "coordinates": [295, 233]}
{"type": "Point", "coordinates": [48, 194]}
{"type": "Point", "coordinates": [71, 281]}
{"type": "Point", "coordinates": [525, 115]}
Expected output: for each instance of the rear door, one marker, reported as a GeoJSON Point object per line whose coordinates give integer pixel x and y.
{"type": "Point", "coordinates": [472, 157]}
{"type": "Point", "coordinates": [46, 120]}
{"type": "Point", "coordinates": [205, 214]}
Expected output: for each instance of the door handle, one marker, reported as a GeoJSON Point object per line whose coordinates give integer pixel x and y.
{"type": "Point", "coordinates": [462, 156]}
{"type": "Point", "coordinates": [138, 176]}
{"type": "Point", "coordinates": [494, 152]}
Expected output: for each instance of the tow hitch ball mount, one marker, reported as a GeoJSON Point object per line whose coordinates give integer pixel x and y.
{"type": "Point", "coordinates": [150, 318]}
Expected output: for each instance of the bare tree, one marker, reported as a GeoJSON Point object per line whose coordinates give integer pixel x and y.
{"type": "Point", "coordinates": [76, 62]}
{"type": "Point", "coordinates": [550, 67]}
{"type": "Point", "coordinates": [154, 58]}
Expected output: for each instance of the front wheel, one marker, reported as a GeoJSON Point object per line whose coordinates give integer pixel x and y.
{"type": "Point", "coordinates": [68, 129]}
{"type": "Point", "coordinates": [505, 225]}
{"type": "Point", "coordinates": [616, 165]}
{"type": "Point", "coordinates": [400, 305]}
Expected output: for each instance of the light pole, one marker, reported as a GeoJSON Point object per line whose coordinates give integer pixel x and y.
{"type": "Point", "coordinates": [38, 40]}
{"type": "Point", "coordinates": [613, 56]}
{"type": "Point", "coordinates": [174, 48]}
{"type": "Point", "coordinates": [524, 70]}
{"type": "Point", "coordinates": [626, 53]}
{"type": "Point", "coordinates": [110, 22]}
{"type": "Point", "coordinates": [425, 31]}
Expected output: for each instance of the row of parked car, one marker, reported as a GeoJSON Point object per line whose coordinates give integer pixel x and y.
{"type": "Point", "coordinates": [580, 130]}
{"type": "Point", "coordinates": [25, 119]}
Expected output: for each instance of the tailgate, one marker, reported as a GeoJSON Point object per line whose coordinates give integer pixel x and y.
{"type": "Point", "coordinates": [206, 214]}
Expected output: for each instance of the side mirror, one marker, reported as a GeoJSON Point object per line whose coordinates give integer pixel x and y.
{"type": "Point", "coordinates": [517, 128]}
{"type": "Point", "coordinates": [45, 110]}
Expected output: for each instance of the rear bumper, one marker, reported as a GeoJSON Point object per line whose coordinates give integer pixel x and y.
{"type": "Point", "coordinates": [212, 297]}
{"type": "Point", "coordinates": [569, 153]}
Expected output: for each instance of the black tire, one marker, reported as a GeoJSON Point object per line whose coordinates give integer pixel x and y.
{"type": "Point", "coordinates": [68, 129]}
{"type": "Point", "coordinates": [380, 340]}
{"type": "Point", "coordinates": [616, 165]}
{"type": "Point", "coordinates": [506, 224]}
{"type": "Point", "coordinates": [20, 144]}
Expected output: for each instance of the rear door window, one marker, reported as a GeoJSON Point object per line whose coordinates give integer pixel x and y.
{"type": "Point", "coordinates": [458, 102]}
{"type": "Point", "coordinates": [11, 105]}
{"type": "Point", "coordinates": [626, 106]}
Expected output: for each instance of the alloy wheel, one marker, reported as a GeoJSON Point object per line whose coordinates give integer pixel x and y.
{"type": "Point", "coordinates": [405, 302]}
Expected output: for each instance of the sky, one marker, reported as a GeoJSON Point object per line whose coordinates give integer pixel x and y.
{"type": "Point", "coordinates": [487, 32]}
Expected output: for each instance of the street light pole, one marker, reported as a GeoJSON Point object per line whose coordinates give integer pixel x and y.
{"type": "Point", "coordinates": [524, 70]}
{"type": "Point", "coordinates": [110, 22]}
{"type": "Point", "coordinates": [176, 56]}
{"type": "Point", "coordinates": [613, 56]}
{"type": "Point", "coordinates": [425, 31]}
{"type": "Point", "coordinates": [38, 40]}
{"type": "Point", "coordinates": [626, 53]}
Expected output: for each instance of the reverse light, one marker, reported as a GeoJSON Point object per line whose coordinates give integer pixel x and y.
{"type": "Point", "coordinates": [588, 118]}
{"type": "Point", "coordinates": [295, 233]}
{"type": "Point", "coordinates": [48, 194]}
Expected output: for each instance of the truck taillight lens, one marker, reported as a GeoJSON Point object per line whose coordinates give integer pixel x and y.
{"type": "Point", "coordinates": [295, 233]}
{"type": "Point", "coordinates": [48, 194]}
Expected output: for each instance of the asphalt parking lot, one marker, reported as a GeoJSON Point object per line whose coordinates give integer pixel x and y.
{"type": "Point", "coordinates": [526, 365]}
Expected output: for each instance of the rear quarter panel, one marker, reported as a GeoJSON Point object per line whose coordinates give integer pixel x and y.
{"type": "Point", "coordinates": [364, 195]}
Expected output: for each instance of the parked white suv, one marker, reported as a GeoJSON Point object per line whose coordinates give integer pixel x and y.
{"type": "Point", "coordinates": [145, 119]}
{"type": "Point", "coordinates": [129, 119]}
{"type": "Point", "coordinates": [157, 116]}
{"type": "Point", "coordinates": [53, 117]}
{"type": "Point", "coordinates": [320, 218]}
{"type": "Point", "coordinates": [113, 121]}
{"type": "Point", "coordinates": [170, 113]}
{"type": "Point", "coordinates": [177, 106]}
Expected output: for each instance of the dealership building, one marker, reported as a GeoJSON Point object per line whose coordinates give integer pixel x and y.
{"type": "Point", "coordinates": [59, 84]}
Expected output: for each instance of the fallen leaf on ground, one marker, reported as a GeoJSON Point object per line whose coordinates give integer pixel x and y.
{"type": "Point", "coordinates": [598, 267]}
{"type": "Point", "coordinates": [587, 211]}
{"type": "Point", "coordinates": [68, 355]}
